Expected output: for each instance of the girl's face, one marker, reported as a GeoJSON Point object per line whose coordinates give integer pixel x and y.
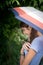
{"type": "Point", "coordinates": [26, 30]}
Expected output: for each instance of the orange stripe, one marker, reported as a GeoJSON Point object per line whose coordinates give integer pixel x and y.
{"type": "Point", "coordinates": [29, 18]}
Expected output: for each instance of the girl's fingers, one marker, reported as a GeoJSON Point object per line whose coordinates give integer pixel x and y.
{"type": "Point", "coordinates": [26, 46]}
{"type": "Point", "coordinates": [28, 43]}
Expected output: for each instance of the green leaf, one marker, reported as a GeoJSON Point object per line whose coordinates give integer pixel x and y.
{"type": "Point", "coordinates": [18, 3]}
{"type": "Point", "coordinates": [13, 1]}
{"type": "Point", "coordinates": [41, 1]}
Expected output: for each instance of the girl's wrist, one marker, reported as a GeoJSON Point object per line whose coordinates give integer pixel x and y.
{"type": "Point", "coordinates": [22, 52]}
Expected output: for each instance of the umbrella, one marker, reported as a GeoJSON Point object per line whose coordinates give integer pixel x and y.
{"type": "Point", "coordinates": [30, 16]}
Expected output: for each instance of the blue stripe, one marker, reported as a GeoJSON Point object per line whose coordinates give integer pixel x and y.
{"type": "Point", "coordinates": [15, 12]}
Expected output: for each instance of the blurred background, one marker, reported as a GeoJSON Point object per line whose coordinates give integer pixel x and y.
{"type": "Point", "coordinates": [11, 36]}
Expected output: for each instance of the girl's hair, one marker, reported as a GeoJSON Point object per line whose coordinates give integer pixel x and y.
{"type": "Point", "coordinates": [33, 34]}
{"type": "Point", "coordinates": [23, 25]}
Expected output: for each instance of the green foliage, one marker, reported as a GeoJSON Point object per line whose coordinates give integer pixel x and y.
{"type": "Point", "coordinates": [13, 3]}
{"type": "Point", "coordinates": [11, 37]}
{"type": "Point", "coordinates": [8, 3]}
{"type": "Point", "coordinates": [7, 26]}
{"type": "Point", "coordinates": [34, 3]}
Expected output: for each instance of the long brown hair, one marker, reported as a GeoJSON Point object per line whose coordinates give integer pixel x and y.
{"type": "Point", "coordinates": [33, 34]}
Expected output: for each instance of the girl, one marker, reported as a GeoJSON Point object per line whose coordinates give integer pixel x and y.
{"type": "Point", "coordinates": [34, 52]}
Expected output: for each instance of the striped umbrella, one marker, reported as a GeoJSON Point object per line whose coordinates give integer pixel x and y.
{"type": "Point", "coordinates": [30, 16]}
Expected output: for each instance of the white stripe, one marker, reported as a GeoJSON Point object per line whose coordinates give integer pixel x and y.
{"type": "Point", "coordinates": [38, 15]}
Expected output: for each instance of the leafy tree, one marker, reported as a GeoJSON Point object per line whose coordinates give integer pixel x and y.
{"type": "Point", "coordinates": [11, 37]}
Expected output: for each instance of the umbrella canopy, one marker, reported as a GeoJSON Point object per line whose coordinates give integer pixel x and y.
{"type": "Point", "coordinates": [30, 16]}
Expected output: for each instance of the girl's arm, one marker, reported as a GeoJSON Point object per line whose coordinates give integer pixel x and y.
{"type": "Point", "coordinates": [21, 59]}
{"type": "Point", "coordinates": [25, 46]}
{"type": "Point", "coordinates": [29, 57]}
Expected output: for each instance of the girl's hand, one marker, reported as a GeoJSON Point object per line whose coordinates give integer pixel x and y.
{"type": "Point", "coordinates": [25, 46]}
